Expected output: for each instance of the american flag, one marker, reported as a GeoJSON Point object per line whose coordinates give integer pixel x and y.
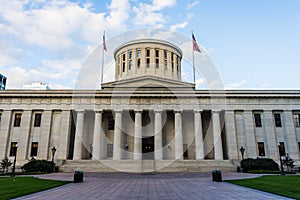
{"type": "Point", "coordinates": [195, 45]}
{"type": "Point", "coordinates": [104, 44]}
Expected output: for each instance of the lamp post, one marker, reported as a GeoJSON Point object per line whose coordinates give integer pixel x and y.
{"type": "Point", "coordinates": [281, 165]}
{"type": "Point", "coordinates": [15, 159]}
{"type": "Point", "coordinates": [242, 150]}
{"type": "Point", "coordinates": [53, 150]}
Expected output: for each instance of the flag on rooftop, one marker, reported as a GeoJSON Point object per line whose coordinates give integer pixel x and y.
{"type": "Point", "coordinates": [195, 45]}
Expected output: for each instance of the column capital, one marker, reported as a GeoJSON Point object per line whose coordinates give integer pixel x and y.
{"type": "Point", "coordinates": [138, 111]}
{"type": "Point", "coordinates": [158, 111]}
{"type": "Point", "coordinates": [98, 111]}
{"type": "Point", "coordinates": [216, 110]}
{"type": "Point", "coordinates": [118, 111]}
{"type": "Point", "coordinates": [178, 111]}
{"type": "Point", "coordinates": [80, 111]}
{"type": "Point", "coordinates": [198, 111]}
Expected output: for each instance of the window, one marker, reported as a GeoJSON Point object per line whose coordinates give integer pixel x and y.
{"type": "Point", "coordinates": [165, 59]}
{"type": "Point", "coordinates": [299, 146]}
{"type": "Point", "coordinates": [130, 60]}
{"type": "Point", "coordinates": [157, 58]}
{"type": "Point", "coordinates": [123, 62]}
{"type": "Point", "coordinates": [177, 63]}
{"type": "Point", "coordinates": [186, 151]}
{"type": "Point", "coordinates": [110, 148]}
{"type": "Point", "coordinates": [261, 148]}
{"type": "Point", "coordinates": [138, 58]}
{"type": "Point", "coordinates": [281, 149]}
{"type": "Point", "coordinates": [257, 119]}
{"type": "Point", "coordinates": [13, 148]}
{"type": "Point", "coordinates": [147, 58]}
{"type": "Point", "coordinates": [0, 116]}
{"type": "Point", "coordinates": [34, 149]}
{"type": "Point", "coordinates": [277, 120]}
{"type": "Point", "coordinates": [17, 122]}
{"type": "Point", "coordinates": [37, 120]}
{"type": "Point", "coordinates": [119, 65]}
{"type": "Point", "coordinates": [172, 61]}
{"type": "Point", "coordinates": [296, 120]}
{"type": "Point", "coordinates": [111, 123]}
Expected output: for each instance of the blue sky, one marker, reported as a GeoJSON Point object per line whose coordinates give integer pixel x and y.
{"type": "Point", "coordinates": [253, 43]}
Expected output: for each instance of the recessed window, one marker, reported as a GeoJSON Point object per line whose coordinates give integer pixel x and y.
{"type": "Point", "coordinates": [281, 149]}
{"type": "Point", "coordinates": [147, 58]}
{"type": "Point", "coordinates": [37, 119]}
{"type": "Point", "coordinates": [165, 59]}
{"type": "Point", "coordinates": [257, 118]}
{"type": "Point", "coordinates": [277, 120]}
{"type": "Point", "coordinates": [261, 148]}
{"type": "Point", "coordinates": [13, 148]}
{"type": "Point", "coordinates": [17, 122]}
{"type": "Point", "coordinates": [34, 149]}
{"type": "Point", "coordinates": [172, 61]}
{"type": "Point", "coordinates": [296, 120]}
{"type": "Point", "coordinates": [138, 58]}
{"type": "Point", "coordinates": [111, 123]}
{"type": "Point", "coordinates": [130, 60]}
{"type": "Point", "coordinates": [123, 62]}
{"type": "Point", "coordinates": [0, 116]}
{"type": "Point", "coordinates": [157, 58]}
{"type": "Point", "coordinates": [177, 63]}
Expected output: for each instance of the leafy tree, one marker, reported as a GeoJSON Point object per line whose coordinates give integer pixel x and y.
{"type": "Point", "coordinates": [288, 162]}
{"type": "Point", "coordinates": [5, 164]}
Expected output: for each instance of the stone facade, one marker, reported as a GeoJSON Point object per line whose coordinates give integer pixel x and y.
{"type": "Point", "coordinates": [148, 116]}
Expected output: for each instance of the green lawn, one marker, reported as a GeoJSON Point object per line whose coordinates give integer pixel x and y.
{"type": "Point", "coordinates": [19, 186]}
{"type": "Point", "coordinates": [288, 186]}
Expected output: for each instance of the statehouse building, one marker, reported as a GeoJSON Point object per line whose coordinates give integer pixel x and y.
{"type": "Point", "coordinates": [148, 119]}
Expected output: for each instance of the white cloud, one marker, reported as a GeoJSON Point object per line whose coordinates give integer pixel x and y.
{"type": "Point", "coordinates": [191, 5]}
{"type": "Point", "coordinates": [150, 14]}
{"type": "Point", "coordinates": [236, 85]}
{"type": "Point", "coordinates": [179, 25]}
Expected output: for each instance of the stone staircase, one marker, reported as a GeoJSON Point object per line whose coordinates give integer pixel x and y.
{"type": "Point", "coordinates": [147, 166]}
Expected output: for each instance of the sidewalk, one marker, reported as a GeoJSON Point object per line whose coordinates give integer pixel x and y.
{"type": "Point", "coordinates": [147, 186]}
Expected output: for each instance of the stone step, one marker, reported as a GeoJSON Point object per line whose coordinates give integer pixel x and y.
{"type": "Point", "coordinates": [146, 166]}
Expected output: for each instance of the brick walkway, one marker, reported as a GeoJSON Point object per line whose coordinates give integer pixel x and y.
{"type": "Point", "coordinates": [146, 186]}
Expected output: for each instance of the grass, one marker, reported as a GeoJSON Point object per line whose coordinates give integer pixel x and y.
{"type": "Point", "coordinates": [288, 186]}
{"type": "Point", "coordinates": [20, 186]}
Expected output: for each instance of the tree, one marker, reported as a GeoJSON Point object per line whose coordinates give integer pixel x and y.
{"type": "Point", "coordinates": [5, 164]}
{"type": "Point", "coordinates": [288, 162]}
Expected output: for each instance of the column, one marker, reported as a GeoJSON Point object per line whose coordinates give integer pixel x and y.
{"type": "Point", "coordinates": [6, 118]}
{"type": "Point", "coordinates": [199, 149]}
{"type": "Point", "coordinates": [78, 136]}
{"type": "Point", "coordinates": [290, 132]}
{"type": "Point", "coordinates": [232, 146]}
{"type": "Point", "coordinates": [63, 149]}
{"type": "Point", "coordinates": [158, 153]}
{"type": "Point", "coordinates": [98, 139]}
{"type": "Point", "coordinates": [23, 143]}
{"type": "Point", "coordinates": [178, 136]}
{"type": "Point", "coordinates": [44, 148]}
{"type": "Point", "coordinates": [272, 149]}
{"type": "Point", "coordinates": [250, 135]}
{"type": "Point", "coordinates": [217, 135]}
{"type": "Point", "coordinates": [137, 155]}
{"type": "Point", "coordinates": [117, 136]}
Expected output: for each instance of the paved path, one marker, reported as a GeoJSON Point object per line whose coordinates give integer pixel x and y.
{"type": "Point", "coordinates": [146, 186]}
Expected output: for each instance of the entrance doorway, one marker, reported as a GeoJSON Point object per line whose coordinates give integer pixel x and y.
{"type": "Point", "coordinates": [148, 148]}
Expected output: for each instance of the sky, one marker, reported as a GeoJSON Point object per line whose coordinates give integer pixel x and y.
{"type": "Point", "coordinates": [254, 44]}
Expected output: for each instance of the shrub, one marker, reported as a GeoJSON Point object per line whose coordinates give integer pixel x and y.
{"type": "Point", "coordinates": [259, 164]}
{"type": "Point", "coordinates": [42, 166]}
{"type": "Point", "coordinates": [5, 164]}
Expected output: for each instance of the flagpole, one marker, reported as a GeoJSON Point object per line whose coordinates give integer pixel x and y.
{"type": "Point", "coordinates": [193, 61]}
{"type": "Point", "coordinates": [102, 59]}
{"type": "Point", "coordinates": [194, 66]}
